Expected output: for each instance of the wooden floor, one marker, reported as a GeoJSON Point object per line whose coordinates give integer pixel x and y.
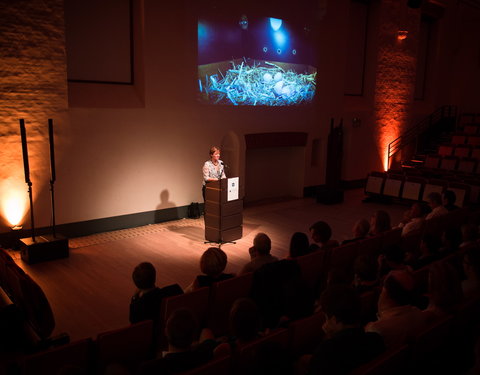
{"type": "Point", "coordinates": [90, 291]}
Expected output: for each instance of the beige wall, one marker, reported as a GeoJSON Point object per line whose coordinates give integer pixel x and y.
{"type": "Point", "coordinates": [122, 150]}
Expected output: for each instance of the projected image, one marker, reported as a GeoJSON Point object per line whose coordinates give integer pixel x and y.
{"type": "Point", "coordinates": [257, 62]}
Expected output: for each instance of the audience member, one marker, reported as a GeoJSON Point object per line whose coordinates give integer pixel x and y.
{"type": "Point", "coordinates": [392, 259]}
{"type": "Point", "coordinates": [259, 253]}
{"type": "Point", "coordinates": [469, 235]}
{"type": "Point", "coordinates": [212, 263]}
{"type": "Point", "coordinates": [414, 219]}
{"type": "Point", "coordinates": [145, 303]}
{"type": "Point", "coordinates": [398, 321]}
{"type": "Point", "coordinates": [299, 245]}
{"type": "Point", "coordinates": [347, 345]}
{"type": "Point", "coordinates": [379, 223]}
{"type": "Point", "coordinates": [429, 251]}
{"type": "Point", "coordinates": [365, 270]}
{"type": "Point", "coordinates": [321, 234]}
{"type": "Point", "coordinates": [360, 231]}
{"type": "Point", "coordinates": [451, 240]}
{"type": "Point", "coordinates": [471, 268]}
{"type": "Point", "coordinates": [448, 199]}
{"type": "Point", "coordinates": [444, 289]}
{"type": "Point", "coordinates": [181, 331]}
{"type": "Point", "coordinates": [435, 203]}
{"type": "Point", "coordinates": [244, 322]}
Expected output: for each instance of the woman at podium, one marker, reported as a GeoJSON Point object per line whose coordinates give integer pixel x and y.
{"type": "Point", "coordinates": [213, 169]}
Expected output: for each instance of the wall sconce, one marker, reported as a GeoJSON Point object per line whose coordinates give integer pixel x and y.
{"type": "Point", "coordinates": [402, 34]}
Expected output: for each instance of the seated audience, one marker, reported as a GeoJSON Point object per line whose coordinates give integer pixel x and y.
{"type": "Point", "coordinates": [365, 270]}
{"type": "Point", "coordinates": [212, 263]}
{"type": "Point", "coordinates": [347, 345]}
{"type": "Point", "coordinates": [182, 355]}
{"type": "Point", "coordinates": [436, 204]}
{"type": "Point", "coordinates": [360, 231]}
{"type": "Point", "coordinates": [244, 322]}
{"type": "Point", "coordinates": [444, 289]}
{"type": "Point", "coordinates": [280, 293]}
{"type": "Point", "coordinates": [379, 223]}
{"type": "Point", "coordinates": [469, 235]}
{"type": "Point", "coordinates": [429, 252]}
{"type": "Point", "coordinates": [471, 268]}
{"type": "Point", "coordinates": [398, 321]}
{"type": "Point", "coordinates": [414, 219]}
{"type": "Point", "coordinates": [259, 253]}
{"type": "Point", "coordinates": [321, 233]}
{"type": "Point", "coordinates": [392, 259]}
{"type": "Point", "coordinates": [448, 199]}
{"type": "Point", "coordinates": [451, 240]}
{"type": "Point", "coordinates": [146, 301]}
{"type": "Point", "coordinates": [299, 245]}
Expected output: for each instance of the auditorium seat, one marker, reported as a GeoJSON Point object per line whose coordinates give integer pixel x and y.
{"type": "Point", "coordinates": [459, 139]}
{"type": "Point", "coordinates": [432, 161]}
{"type": "Point", "coordinates": [72, 358]}
{"type": "Point", "coordinates": [462, 151]}
{"type": "Point", "coordinates": [433, 185]}
{"type": "Point", "coordinates": [343, 257]}
{"type": "Point", "coordinates": [462, 192]}
{"type": "Point", "coordinates": [313, 268]}
{"type": "Point", "coordinates": [393, 185]}
{"type": "Point", "coordinates": [445, 149]}
{"type": "Point", "coordinates": [476, 153]}
{"type": "Point", "coordinates": [392, 362]}
{"type": "Point", "coordinates": [222, 296]}
{"type": "Point", "coordinates": [449, 163]}
{"type": "Point", "coordinates": [390, 237]}
{"type": "Point", "coordinates": [305, 334]}
{"type": "Point", "coordinates": [220, 366]}
{"type": "Point", "coordinates": [470, 129]}
{"type": "Point", "coordinates": [412, 188]}
{"type": "Point", "coordinates": [127, 346]}
{"type": "Point", "coordinates": [467, 165]}
{"type": "Point", "coordinates": [473, 140]}
{"type": "Point", "coordinates": [375, 182]}
{"type": "Point", "coordinates": [370, 246]}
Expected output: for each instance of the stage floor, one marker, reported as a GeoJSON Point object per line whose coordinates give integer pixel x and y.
{"type": "Point", "coordinates": [90, 291]}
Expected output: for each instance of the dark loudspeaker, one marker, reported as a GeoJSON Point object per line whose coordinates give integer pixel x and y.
{"type": "Point", "coordinates": [44, 248]}
{"type": "Point", "coordinates": [414, 3]}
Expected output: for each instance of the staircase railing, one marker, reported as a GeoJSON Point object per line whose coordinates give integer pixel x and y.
{"type": "Point", "coordinates": [412, 134]}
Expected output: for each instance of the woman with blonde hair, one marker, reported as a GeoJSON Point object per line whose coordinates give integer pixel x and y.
{"type": "Point", "coordinates": [212, 264]}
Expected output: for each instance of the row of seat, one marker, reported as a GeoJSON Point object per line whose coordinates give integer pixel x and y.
{"type": "Point", "coordinates": [460, 150]}
{"type": "Point", "coordinates": [130, 345]}
{"type": "Point", "coordinates": [452, 163]}
{"type": "Point", "coordinates": [416, 188]}
{"type": "Point", "coordinates": [465, 139]}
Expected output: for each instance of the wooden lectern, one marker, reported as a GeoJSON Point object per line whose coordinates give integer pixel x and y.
{"type": "Point", "coordinates": [223, 211]}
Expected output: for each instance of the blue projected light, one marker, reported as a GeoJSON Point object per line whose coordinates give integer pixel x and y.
{"type": "Point", "coordinates": [275, 23]}
{"type": "Point", "coordinates": [202, 31]}
{"type": "Point", "coordinates": [280, 38]}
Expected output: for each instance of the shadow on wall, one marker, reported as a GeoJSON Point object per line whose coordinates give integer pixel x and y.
{"type": "Point", "coordinates": [166, 210]}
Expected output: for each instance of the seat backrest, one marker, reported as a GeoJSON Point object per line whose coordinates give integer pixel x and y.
{"type": "Point", "coordinates": [449, 163]}
{"type": "Point", "coordinates": [467, 165]}
{"type": "Point", "coordinates": [432, 161]}
{"type": "Point", "coordinates": [343, 257]}
{"type": "Point", "coordinates": [370, 246]}
{"type": "Point", "coordinates": [312, 267]}
{"type": "Point", "coordinates": [128, 346]}
{"type": "Point", "coordinates": [220, 366]}
{"type": "Point", "coordinates": [430, 188]}
{"type": "Point", "coordinates": [462, 151]}
{"type": "Point", "coordinates": [75, 356]}
{"type": "Point", "coordinates": [391, 237]}
{"type": "Point", "coordinates": [458, 139]}
{"type": "Point", "coordinates": [445, 150]}
{"type": "Point", "coordinates": [393, 186]}
{"type": "Point", "coordinates": [392, 362]}
{"type": "Point", "coordinates": [374, 183]}
{"type": "Point", "coordinates": [473, 140]}
{"type": "Point", "coordinates": [305, 334]}
{"type": "Point", "coordinates": [412, 188]}
{"type": "Point", "coordinates": [222, 296]}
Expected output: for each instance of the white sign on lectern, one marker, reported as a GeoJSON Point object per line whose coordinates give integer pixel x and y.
{"type": "Point", "coordinates": [232, 186]}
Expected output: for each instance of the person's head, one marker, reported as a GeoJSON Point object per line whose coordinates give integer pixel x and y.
{"type": "Point", "coordinates": [417, 210]}
{"type": "Point", "coordinates": [394, 256]}
{"type": "Point", "coordinates": [341, 307]}
{"type": "Point", "coordinates": [452, 238]}
{"type": "Point", "coordinates": [398, 288]}
{"type": "Point", "coordinates": [448, 198]}
{"type": "Point", "coordinates": [244, 319]}
{"type": "Point", "coordinates": [298, 244]}
{"type": "Point", "coordinates": [434, 199]}
{"type": "Point", "coordinates": [430, 244]}
{"type": "Point", "coordinates": [262, 244]}
{"type": "Point", "coordinates": [181, 329]}
{"type": "Point", "coordinates": [361, 228]}
{"type": "Point", "coordinates": [380, 222]}
{"type": "Point", "coordinates": [469, 232]}
{"type": "Point", "coordinates": [320, 232]}
{"type": "Point", "coordinates": [471, 264]}
{"type": "Point", "coordinates": [213, 261]}
{"type": "Point", "coordinates": [365, 269]}
{"type": "Point", "coordinates": [214, 153]}
{"type": "Point", "coordinates": [144, 276]}
{"type": "Point", "coordinates": [445, 286]}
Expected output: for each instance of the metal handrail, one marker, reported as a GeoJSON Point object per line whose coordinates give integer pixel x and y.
{"type": "Point", "coordinates": [446, 111]}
